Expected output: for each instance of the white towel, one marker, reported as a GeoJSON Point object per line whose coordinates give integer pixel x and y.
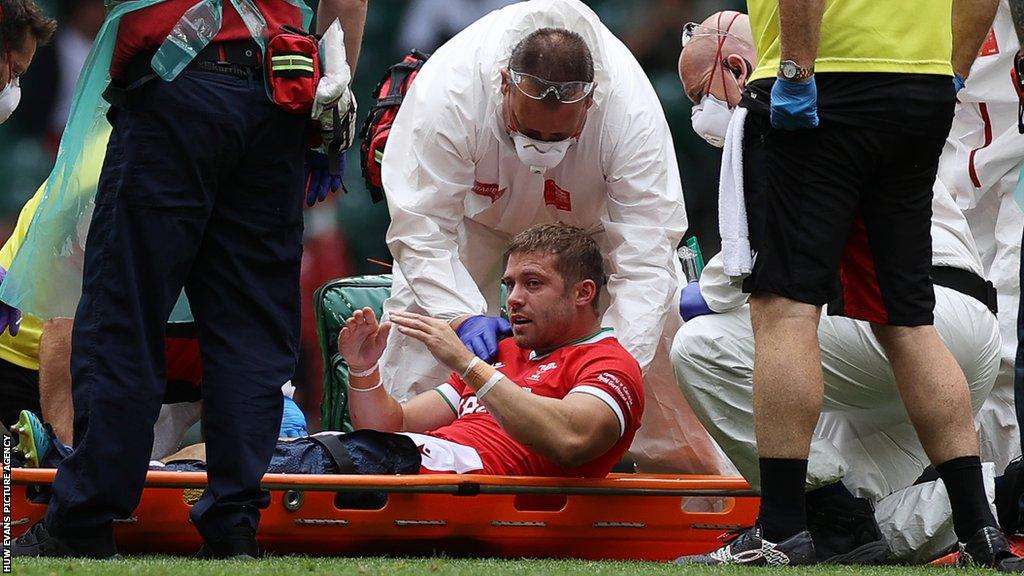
{"type": "Point", "coordinates": [737, 259]}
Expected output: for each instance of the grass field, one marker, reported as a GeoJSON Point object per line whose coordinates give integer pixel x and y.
{"type": "Point", "coordinates": [300, 565]}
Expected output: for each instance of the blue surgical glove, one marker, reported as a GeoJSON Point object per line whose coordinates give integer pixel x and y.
{"type": "Point", "coordinates": [794, 104]}
{"type": "Point", "coordinates": [10, 317]}
{"type": "Point", "coordinates": [692, 303]}
{"type": "Point", "coordinates": [481, 334]}
{"type": "Point", "coordinates": [293, 421]}
{"type": "Point", "coordinates": [958, 82]}
{"type": "Point", "coordinates": [319, 180]}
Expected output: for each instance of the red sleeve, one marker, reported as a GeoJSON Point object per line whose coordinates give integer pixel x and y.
{"type": "Point", "coordinates": [617, 380]}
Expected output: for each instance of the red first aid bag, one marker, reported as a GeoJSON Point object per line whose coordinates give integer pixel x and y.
{"type": "Point", "coordinates": [389, 94]}
{"type": "Point", "coordinates": [293, 69]}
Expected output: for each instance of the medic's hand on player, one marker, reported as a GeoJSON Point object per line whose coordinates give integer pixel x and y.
{"type": "Point", "coordinates": [361, 342]}
{"type": "Point", "coordinates": [692, 303]}
{"type": "Point", "coordinates": [1017, 77]}
{"type": "Point", "coordinates": [319, 179]}
{"type": "Point", "coordinates": [10, 317]}
{"type": "Point", "coordinates": [794, 104]}
{"type": "Point", "coordinates": [438, 337]}
{"type": "Point", "coordinates": [481, 334]}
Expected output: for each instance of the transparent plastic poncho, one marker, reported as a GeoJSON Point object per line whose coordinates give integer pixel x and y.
{"type": "Point", "coordinates": [45, 278]}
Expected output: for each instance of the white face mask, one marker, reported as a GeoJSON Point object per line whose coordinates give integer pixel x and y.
{"type": "Point", "coordinates": [10, 96]}
{"type": "Point", "coordinates": [710, 120]}
{"type": "Point", "coordinates": [540, 155]}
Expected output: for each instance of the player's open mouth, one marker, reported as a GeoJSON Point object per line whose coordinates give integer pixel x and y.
{"type": "Point", "coordinates": [518, 320]}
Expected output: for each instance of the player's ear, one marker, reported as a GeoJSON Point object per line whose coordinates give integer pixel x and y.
{"type": "Point", "coordinates": [585, 292]}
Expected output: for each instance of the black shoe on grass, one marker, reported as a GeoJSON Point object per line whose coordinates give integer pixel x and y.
{"type": "Point", "coordinates": [238, 544]}
{"type": "Point", "coordinates": [750, 549]}
{"type": "Point", "coordinates": [988, 548]}
{"type": "Point", "coordinates": [38, 542]}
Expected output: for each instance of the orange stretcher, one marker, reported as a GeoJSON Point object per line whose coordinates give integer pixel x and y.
{"type": "Point", "coordinates": [624, 516]}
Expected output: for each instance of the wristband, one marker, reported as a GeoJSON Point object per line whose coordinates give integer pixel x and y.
{"type": "Point", "coordinates": [494, 379]}
{"type": "Point", "coordinates": [476, 360]}
{"type": "Point", "coordinates": [363, 373]}
{"type": "Point", "coordinates": [374, 387]}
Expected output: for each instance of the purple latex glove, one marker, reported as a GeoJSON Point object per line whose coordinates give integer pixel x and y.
{"type": "Point", "coordinates": [692, 303]}
{"type": "Point", "coordinates": [481, 334]}
{"type": "Point", "coordinates": [10, 317]}
{"type": "Point", "coordinates": [319, 180]}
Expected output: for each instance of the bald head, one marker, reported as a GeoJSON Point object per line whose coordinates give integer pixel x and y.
{"type": "Point", "coordinates": [715, 63]}
{"type": "Point", "coordinates": [554, 54]}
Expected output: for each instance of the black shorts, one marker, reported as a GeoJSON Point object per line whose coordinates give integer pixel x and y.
{"type": "Point", "coordinates": [19, 390]}
{"type": "Point", "coordinates": [842, 213]}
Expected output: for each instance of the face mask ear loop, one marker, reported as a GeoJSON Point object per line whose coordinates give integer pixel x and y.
{"type": "Point", "coordinates": [719, 60]}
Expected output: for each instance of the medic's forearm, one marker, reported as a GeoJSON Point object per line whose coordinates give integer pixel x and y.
{"type": "Point", "coordinates": [800, 30]}
{"type": "Point", "coordinates": [373, 409]}
{"type": "Point", "coordinates": [352, 14]}
{"type": "Point", "coordinates": [972, 20]}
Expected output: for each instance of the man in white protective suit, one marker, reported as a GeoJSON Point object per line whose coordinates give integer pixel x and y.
{"type": "Point", "coordinates": [536, 113]}
{"type": "Point", "coordinates": [865, 454]}
{"type": "Point", "coordinates": [980, 165]}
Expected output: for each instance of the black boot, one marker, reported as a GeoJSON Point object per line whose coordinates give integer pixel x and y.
{"type": "Point", "coordinates": [988, 549]}
{"type": "Point", "coordinates": [39, 542]}
{"type": "Point", "coordinates": [238, 544]}
{"type": "Point", "coordinates": [845, 531]}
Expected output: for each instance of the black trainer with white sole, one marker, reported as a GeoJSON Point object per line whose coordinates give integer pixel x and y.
{"type": "Point", "coordinates": [750, 549]}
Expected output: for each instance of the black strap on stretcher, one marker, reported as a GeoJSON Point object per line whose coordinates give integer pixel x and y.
{"type": "Point", "coordinates": [967, 283]}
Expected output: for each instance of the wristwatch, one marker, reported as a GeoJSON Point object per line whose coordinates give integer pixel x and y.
{"type": "Point", "coordinates": [790, 70]}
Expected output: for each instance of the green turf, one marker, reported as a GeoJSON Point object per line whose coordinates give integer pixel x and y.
{"type": "Point", "coordinates": [154, 565]}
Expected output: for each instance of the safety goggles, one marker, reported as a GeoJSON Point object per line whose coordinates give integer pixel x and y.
{"type": "Point", "coordinates": [692, 29]}
{"type": "Point", "coordinates": [539, 88]}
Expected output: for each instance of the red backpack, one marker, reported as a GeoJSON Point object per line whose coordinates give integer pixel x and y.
{"type": "Point", "coordinates": [389, 94]}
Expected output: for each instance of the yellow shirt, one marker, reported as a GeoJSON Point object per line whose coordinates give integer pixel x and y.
{"type": "Point", "coordinates": [905, 36]}
{"type": "Point", "coordinates": [22, 350]}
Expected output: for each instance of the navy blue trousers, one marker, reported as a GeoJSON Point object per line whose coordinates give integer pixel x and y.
{"type": "Point", "coordinates": [201, 189]}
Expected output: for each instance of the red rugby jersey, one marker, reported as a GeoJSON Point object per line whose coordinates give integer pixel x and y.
{"type": "Point", "coordinates": [146, 29]}
{"type": "Point", "coordinates": [597, 365]}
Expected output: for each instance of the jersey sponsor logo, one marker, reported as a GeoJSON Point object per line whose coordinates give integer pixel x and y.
{"type": "Point", "coordinates": [498, 365]}
{"type": "Point", "coordinates": [488, 190]}
{"type": "Point", "coordinates": [556, 196]}
{"type": "Point", "coordinates": [470, 405]}
{"type": "Point", "coordinates": [991, 46]}
{"type": "Point", "coordinates": [621, 390]}
{"type": "Point", "coordinates": [541, 370]}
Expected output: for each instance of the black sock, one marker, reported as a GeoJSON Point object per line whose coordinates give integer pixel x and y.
{"type": "Point", "coordinates": [966, 489]}
{"type": "Point", "coordinates": [783, 513]}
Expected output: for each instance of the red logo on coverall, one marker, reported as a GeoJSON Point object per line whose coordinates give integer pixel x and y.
{"type": "Point", "coordinates": [557, 197]}
{"type": "Point", "coordinates": [990, 47]}
{"type": "Point", "coordinates": [489, 190]}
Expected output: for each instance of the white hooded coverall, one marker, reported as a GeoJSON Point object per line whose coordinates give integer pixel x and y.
{"type": "Point", "coordinates": [457, 193]}
{"type": "Point", "coordinates": [980, 166]}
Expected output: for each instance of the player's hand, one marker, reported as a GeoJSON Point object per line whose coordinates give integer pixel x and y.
{"type": "Point", "coordinates": [692, 303]}
{"type": "Point", "coordinates": [437, 336]}
{"type": "Point", "coordinates": [362, 340]}
{"type": "Point", "coordinates": [794, 104]}
{"type": "Point", "coordinates": [10, 317]}
{"type": "Point", "coordinates": [319, 177]}
{"type": "Point", "coordinates": [481, 334]}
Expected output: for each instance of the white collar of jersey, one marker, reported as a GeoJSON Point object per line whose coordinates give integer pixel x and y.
{"type": "Point", "coordinates": [602, 333]}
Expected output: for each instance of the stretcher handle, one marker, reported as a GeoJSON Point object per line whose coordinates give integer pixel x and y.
{"type": "Point", "coordinates": [464, 484]}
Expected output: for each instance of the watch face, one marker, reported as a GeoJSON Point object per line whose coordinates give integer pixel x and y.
{"type": "Point", "coordinates": [788, 69]}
